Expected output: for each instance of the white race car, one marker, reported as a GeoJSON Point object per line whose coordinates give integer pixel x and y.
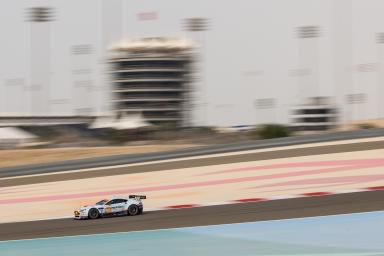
{"type": "Point", "coordinates": [110, 207]}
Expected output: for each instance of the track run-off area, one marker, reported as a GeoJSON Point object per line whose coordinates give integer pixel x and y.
{"type": "Point", "coordinates": [287, 182]}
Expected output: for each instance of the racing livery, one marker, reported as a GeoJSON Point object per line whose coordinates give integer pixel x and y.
{"type": "Point", "coordinates": [110, 207]}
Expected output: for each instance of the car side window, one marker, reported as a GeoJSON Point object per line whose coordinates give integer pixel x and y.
{"type": "Point", "coordinates": [118, 201]}
{"type": "Point", "coordinates": [111, 202]}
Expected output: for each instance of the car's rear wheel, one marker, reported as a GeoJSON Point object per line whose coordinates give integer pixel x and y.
{"type": "Point", "coordinates": [133, 210]}
{"type": "Point", "coordinates": [93, 213]}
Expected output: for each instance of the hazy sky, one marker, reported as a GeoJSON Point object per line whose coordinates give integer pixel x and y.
{"type": "Point", "coordinates": [250, 51]}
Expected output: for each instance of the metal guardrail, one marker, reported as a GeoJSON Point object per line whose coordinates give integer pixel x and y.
{"type": "Point", "coordinates": [197, 151]}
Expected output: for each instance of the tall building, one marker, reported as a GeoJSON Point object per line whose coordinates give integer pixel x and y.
{"type": "Point", "coordinates": [152, 77]}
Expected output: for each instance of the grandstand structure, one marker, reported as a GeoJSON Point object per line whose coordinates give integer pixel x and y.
{"type": "Point", "coordinates": [152, 77]}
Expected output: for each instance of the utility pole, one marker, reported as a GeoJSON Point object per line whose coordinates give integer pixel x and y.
{"type": "Point", "coordinates": [308, 57]}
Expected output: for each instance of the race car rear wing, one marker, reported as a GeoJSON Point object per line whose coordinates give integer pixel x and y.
{"type": "Point", "coordinates": [138, 197]}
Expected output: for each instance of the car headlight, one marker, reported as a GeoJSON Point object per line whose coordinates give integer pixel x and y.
{"type": "Point", "coordinates": [83, 210]}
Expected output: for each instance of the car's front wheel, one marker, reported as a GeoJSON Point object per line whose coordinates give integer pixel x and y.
{"type": "Point", "coordinates": [93, 213]}
{"type": "Point", "coordinates": [133, 210]}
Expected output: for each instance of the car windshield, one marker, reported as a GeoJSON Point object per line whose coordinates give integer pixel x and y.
{"type": "Point", "coordinates": [102, 202]}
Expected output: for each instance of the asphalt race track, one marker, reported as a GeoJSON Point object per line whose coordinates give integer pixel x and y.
{"type": "Point", "coordinates": [235, 213]}
{"type": "Point", "coordinates": [220, 214]}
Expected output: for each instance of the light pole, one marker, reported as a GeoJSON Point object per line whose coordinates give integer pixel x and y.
{"type": "Point", "coordinates": [356, 97]}
{"type": "Point", "coordinates": [267, 104]}
{"type": "Point", "coordinates": [308, 60]}
{"type": "Point", "coordinates": [14, 96]}
{"type": "Point", "coordinates": [39, 18]}
{"type": "Point", "coordinates": [342, 27]}
{"type": "Point", "coordinates": [199, 25]}
{"type": "Point", "coordinates": [82, 81]}
{"type": "Point", "coordinates": [255, 78]}
{"type": "Point", "coordinates": [380, 73]}
{"type": "Point", "coordinates": [113, 29]}
{"type": "Point", "coordinates": [58, 103]}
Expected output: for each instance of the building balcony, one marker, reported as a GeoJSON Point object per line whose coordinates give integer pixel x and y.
{"type": "Point", "coordinates": [148, 90]}
{"type": "Point", "coordinates": [301, 115]}
{"type": "Point", "coordinates": [136, 99]}
{"type": "Point", "coordinates": [162, 118]}
{"type": "Point", "coordinates": [145, 69]}
{"type": "Point", "coordinates": [160, 79]}
{"type": "Point", "coordinates": [315, 124]}
{"type": "Point", "coordinates": [148, 58]}
{"type": "Point", "coordinates": [141, 109]}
